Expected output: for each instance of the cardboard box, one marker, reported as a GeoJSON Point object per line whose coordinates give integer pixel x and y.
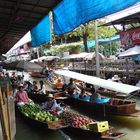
{"type": "Point", "coordinates": [99, 126]}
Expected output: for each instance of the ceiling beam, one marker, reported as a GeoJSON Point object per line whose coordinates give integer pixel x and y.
{"type": "Point", "coordinates": [9, 14]}
{"type": "Point", "coordinates": [25, 10]}
{"type": "Point", "coordinates": [31, 4]}
{"type": "Point", "coordinates": [12, 17]}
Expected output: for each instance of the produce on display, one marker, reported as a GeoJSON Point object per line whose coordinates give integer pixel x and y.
{"type": "Point", "coordinates": [35, 112]}
{"type": "Point", "coordinates": [75, 120]}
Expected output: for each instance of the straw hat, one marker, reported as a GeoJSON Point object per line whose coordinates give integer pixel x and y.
{"type": "Point", "coordinates": [115, 78]}
{"type": "Point", "coordinates": [50, 96]}
{"type": "Point", "coordinates": [21, 85]}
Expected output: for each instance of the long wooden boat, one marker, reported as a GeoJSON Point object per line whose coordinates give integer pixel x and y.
{"type": "Point", "coordinates": [36, 74]}
{"type": "Point", "coordinates": [111, 107]}
{"type": "Point", "coordinates": [106, 84]}
{"type": "Point", "coordinates": [40, 124]}
{"type": "Point", "coordinates": [89, 128]}
{"type": "Point", "coordinates": [107, 106]}
{"type": "Point", "coordinates": [110, 134]}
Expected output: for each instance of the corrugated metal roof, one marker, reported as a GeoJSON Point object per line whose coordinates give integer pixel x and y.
{"type": "Point", "coordinates": [17, 17]}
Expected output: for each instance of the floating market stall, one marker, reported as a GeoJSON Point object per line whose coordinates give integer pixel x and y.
{"type": "Point", "coordinates": [107, 106]}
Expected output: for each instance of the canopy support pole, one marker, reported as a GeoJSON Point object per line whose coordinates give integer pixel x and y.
{"type": "Point", "coordinates": [97, 50]}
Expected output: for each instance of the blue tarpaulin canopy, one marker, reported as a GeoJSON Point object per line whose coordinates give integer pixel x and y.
{"type": "Point", "coordinates": [40, 34]}
{"type": "Point", "coordinates": [69, 14]}
{"type": "Point", "coordinates": [102, 40]}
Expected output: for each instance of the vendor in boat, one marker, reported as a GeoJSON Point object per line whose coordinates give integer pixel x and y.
{"type": "Point", "coordinates": [84, 96]}
{"type": "Point", "coordinates": [42, 87]}
{"type": "Point", "coordinates": [28, 86]}
{"type": "Point", "coordinates": [21, 96]}
{"type": "Point", "coordinates": [138, 84]}
{"type": "Point", "coordinates": [116, 78]}
{"type": "Point", "coordinates": [65, 90]}
{"type": "Point", "coordinates": [59, 84]}
{"type": "Point", "coordinates": [14, 83]}
{"type": "Point", "coordinates": [94, 95]}
{"type": "Point", "coordinates": [35, 88]}
{"type": "Point", "coordinates": [51, 105]}
{"type": "Point", "coordinates": [71, 86]}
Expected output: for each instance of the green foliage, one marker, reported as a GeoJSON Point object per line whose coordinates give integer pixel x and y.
{"type": "Point", "coordinates": [103, 31]}
{"type": "Point", "coordinates": [61, 49]}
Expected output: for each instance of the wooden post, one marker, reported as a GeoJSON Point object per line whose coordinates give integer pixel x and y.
{"type": "Point", "coordinates": [6, 134]}
{"type": "Point", "coordinates": [8, 111]}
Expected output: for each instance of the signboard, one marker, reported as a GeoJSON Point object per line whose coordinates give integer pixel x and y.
{"type": "Point", "coordinates": [130, 38]}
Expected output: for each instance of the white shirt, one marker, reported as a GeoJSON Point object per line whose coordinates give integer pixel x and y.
{"type": "Point", "coordinates": [138, 84]}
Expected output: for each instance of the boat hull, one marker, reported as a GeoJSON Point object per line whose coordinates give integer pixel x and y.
{"type": "Point", "coordinates": [113, 107]}
{"type": "Point", "coordinates": [36, 74]}
{"type": "Point", "coordinates": [108, 134]}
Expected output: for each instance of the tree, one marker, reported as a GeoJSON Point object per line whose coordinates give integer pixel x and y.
{"type": "Point", "coordinates": [86, 32]}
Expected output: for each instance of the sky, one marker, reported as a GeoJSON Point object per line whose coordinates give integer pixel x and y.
{"type": "Point", "coordinates": [134, 9]}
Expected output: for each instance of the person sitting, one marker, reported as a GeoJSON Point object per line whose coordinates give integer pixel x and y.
{"type": "Point", "coordinates": [35, 88]}
{"type": "Point", "coordinates": [116, 78]}
{"type": "Point", "coordinates": [42, 87]}
{"type": "Point", "coordinates": [84, 96]}
{"type": "Point", "coordinates": [21, 96]}
{"type": "Point", "coordinates": [71, 86]}
{"type": "Point", "coordinates": [51, 105]}
{"type": "Point", "coordinates": [14, 83]}
{"type": "Point", "coordinates": [138, 84]}
{"type": "Point", "coordinates": [59, 84]}
{"type": "Point", "coordinates": [28, 86]}
{"type": "Point", "coordinates": [65, 90]}
{"type": "Point", "coordinates": [94, 95]}
{"type": "Point", "coordinates": [75, 94]}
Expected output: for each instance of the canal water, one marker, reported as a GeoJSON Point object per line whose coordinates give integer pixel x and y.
{"type": "Point", "coordinates": [128, 125]}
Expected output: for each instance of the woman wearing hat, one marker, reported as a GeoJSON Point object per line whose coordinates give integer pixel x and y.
{"type": "Point", "coordinates": [116, 78]}
{"type": "Point", "coordinates": [51, 105]}
{"type": "Point", "coordinates": [21, 96]}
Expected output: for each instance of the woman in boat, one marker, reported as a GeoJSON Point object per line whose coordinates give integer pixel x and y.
{"type": "Point", "coordinates": [21, 96]}
{"type": "Point", "coordinates": [42, 87]}
{"type": "Point", "coordinates": [83, 96]}
{"type": "Point", "coordinates": [116, 78]}
{"type": "Point", "coordinates": [94, 95]}
{"type": "Point", "coordinates": [28, 86]}
{"type": "Point", "coordinates": [71, 86]}
{"type": "Point", "coordinates": [75, 94]}
{"type": "Point", "coordinates": [35, 88]}
{"type": "Point", "coordinates": [59, 84]}
{"type": "Point", "coordinates": [138, 84]}
{"type": "Point", "coordinates": [51, 105]}
{"type": "Point", "coordinates": [14, 83]}
{"type": "Point", "coordinates": [65, 90]}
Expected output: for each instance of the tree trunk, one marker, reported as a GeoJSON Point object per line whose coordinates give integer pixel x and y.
{"type": "Point", "coordinates": [85, 35]}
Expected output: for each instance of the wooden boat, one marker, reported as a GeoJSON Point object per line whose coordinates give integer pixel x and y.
{"type": "Point", "coordinates": [110, 134]}
{"type": "Point", "coordinates": [87, 127]}
{"type": "Point", "coordinates": [36, 74]}
{"type": "Point", "coordinates": [38, 123]}
{"type": "Point", "coordinates": [107, 106]}
{"type": "Point", "coordinates": [113, 106]}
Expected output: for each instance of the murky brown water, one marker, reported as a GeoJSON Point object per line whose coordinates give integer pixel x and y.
{"type": "Point", "coordinates": [129, 125]}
